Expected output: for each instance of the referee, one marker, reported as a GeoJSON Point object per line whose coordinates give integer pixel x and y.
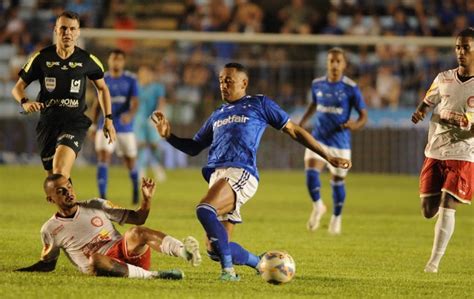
{"type": "Point", "coordinates": [62, 70]}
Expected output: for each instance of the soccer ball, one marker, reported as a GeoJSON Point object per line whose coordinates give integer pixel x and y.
{"type": "Point", "coordinates": [277, 267]}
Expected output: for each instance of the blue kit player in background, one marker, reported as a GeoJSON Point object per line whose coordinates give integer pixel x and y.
{"type": "Point", "coordinates": [123, 88]}
{"type": "Point", "coordinates": [334, 97]}
{"type": "Point", "coordinates": [233, 133]}
{"type": "Point", "coordinates": [151, 97]}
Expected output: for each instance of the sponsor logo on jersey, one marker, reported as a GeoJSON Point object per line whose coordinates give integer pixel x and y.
{"type": "Point", "coordinates": [97, 221]}
{"type": "Point", "coordinates": [50, 64]}
{"type": "Point", "coordinates": [75, 86]}
{"type": "Point", "coordinates": [330, 109]}
{"type": "Point", "coordinates": [64, 68]}
{"type": "Point", "coordinates": [73, 65]}
{"type": "Point", "coordinates": [229, 120]}
{"type": "Point", "coordinates": [76, 143]}
{"type": "Point", "coordinates": [96, 243]}
{"type": "Point", "coordinates": [50, 83]}
{"type": "Point", "coordinates": [57, 230]}
{"type": "Point", "coordinates": [118, 99]}
{"type": "Point", "coordinates": [470, 102]}
{"type": "Point", "coordinates": [70, 103]}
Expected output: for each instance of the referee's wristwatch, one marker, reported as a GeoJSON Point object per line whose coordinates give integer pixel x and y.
{"type": "Point", "coordinates": [23, 101]}
{"type": "Point", "coordinates": [109, 116]}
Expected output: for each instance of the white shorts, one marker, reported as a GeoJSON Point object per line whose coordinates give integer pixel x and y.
{"type": "Point", "coordinates": [125, 145]}
{"type": "Point", "coordinates": [336, 152]}
{"type": "Point", "coordinates": [244, 185]}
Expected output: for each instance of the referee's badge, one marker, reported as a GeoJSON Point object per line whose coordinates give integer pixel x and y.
{"type": "Point", "coordinates": [75, 86]}
{"type": "Point", "coordinates": [50, 83]}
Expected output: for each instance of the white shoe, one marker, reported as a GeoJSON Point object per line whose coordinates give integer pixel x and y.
{"type": "Point", "coordinates": [315, 217]}
{"type": "Point", "coordinates": [430, 268]}
{"type": "Point", "coordinates": [191, 246]}
{"type": "Point", "coordinates": [335, 225]}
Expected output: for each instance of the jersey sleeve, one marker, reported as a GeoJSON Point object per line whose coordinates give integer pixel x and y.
{"type": "Point", "coordinates": [359, 103]}
{"type": "Point", "coordinates": [113, 212]}
{"type": "Point", "coordinates": [96, 69]}
{"type": "Point", "coordinates": [432, 97]}
{"type": "Point", "coordinates": [273, 114]}
{"type": "Point", "coordinates": [31, 70]}
{"type": "Point", "coordinates": [50, 250]}
{"type": "Point", "coordinates": [205, 134]}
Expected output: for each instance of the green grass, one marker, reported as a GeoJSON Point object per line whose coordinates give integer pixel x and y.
{"type": "Point", "coordinates": [381, 253]}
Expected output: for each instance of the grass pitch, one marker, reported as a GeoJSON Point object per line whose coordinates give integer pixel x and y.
{"type": "Point", "coordinates": [381, 252]}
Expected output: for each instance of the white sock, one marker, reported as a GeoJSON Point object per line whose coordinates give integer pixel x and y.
{"type": "Point", "coordinates": [173, 247]}
{"type": "Point", "coordinates": [137, 272]}
{"type": "Point", "coordinates": [318, 204]}
{"type": "Point", "coordinates": [443, 231]}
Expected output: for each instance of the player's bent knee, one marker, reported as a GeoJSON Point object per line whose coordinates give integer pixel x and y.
{"type": "Point", "coordinates": [430, 206]}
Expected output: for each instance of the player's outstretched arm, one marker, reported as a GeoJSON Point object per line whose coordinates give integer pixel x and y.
{"type": "Point", "coordinates": [139, 216]}
{"type": "Point", "coordinates": [186, 145]}
{"type": "Point", "coordinates": [303, 137]}
{"type": "Point", "coordinates": [41, 266]}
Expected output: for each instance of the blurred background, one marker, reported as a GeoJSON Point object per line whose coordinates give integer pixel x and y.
{"type": "Point", "coordinates": [395, 50]}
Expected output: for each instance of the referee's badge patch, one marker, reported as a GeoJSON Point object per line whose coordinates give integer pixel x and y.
{"type": "Point", "coordinates": [75, 86]}
{"type": "Point", "coordinates": [50, 83]}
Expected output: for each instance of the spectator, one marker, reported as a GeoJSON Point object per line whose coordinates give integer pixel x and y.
{"type": "Point", "coordinates": [296, 17]}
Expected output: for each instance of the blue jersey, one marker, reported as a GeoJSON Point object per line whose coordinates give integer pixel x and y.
{"type": "Point", "coordinates": [334, 102]}
{"type": "Point", "coordinates": [233, 132]}
{"type": "Point", "coordinates": [149, 98]}
{"type": "Point", "coordinates": [122, 89]}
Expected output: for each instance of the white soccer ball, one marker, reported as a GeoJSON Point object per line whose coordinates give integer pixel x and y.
{"type": "Point", "coordinates": [277, 267]}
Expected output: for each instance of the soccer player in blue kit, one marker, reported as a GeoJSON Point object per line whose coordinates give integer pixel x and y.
{"type": "Point", "coordinates": [233, 133]}
{"type": "Point", "coordinates": [123, 88]}
{"type": "Point", "coordinates": [334, 97]}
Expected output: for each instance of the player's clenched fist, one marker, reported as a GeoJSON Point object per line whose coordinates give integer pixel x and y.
{"type": "Point", "coordinates": [340, 162]}
{"type": "Point", "coordinates": [417, 116]}
{"type": "Point", "coordinates": [162, 124]}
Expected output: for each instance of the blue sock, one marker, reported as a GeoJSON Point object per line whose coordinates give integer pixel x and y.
{"type": "Point", "coordinates": [240, 256]}
{"type": "Point", "coordinates": [134, 178]}
{"type": "Point", "coordinates": [102, 177]}
{"type": "Point", "coordinates": [338, 196]}
{"type": "Point", "coordinates": [216, 233]}
{"type": "Point", "coordinates": [313, 183]}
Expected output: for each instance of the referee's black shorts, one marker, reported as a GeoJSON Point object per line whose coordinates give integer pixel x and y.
{"type": "Point", "coordinates": [69, 132]}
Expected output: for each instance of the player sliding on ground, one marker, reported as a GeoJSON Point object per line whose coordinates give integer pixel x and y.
{"type": "Point", "coordinates": [233, 133]}
{"type": "Point", "coordinates": [447, 176]}
{"type": "Point", "coordinates": [85, 232]}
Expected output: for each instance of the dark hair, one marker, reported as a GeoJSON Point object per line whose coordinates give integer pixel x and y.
{"type": "Point", "coordinates": [468, 32]}
{"type": "Point", "coordinates": [51, 178]}
{"type": "Point", "coordinates": [237, 66]}
{"type": "Point", "coordinates": [70, 15]}
{"type": "Point", "coordinates": [338, 50]}
{"type": "Point", "coordinates": [117, 51]}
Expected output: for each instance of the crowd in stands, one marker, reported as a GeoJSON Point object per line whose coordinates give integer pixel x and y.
{"type": "Point", "coordinates": [389, 76]}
